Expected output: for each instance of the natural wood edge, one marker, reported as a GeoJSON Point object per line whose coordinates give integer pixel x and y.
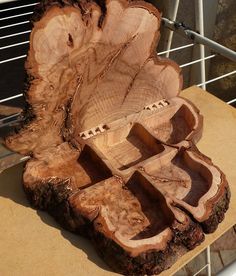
{"type": "Point", "coordinates": [218, 212]}
{"type": "Point", "coordinates": [53, 198]}
{"type": "Point", "coordinates": [56, 200]}
{"type": "Point", "coordinates": [151, 262]}
{"type": "Point", "coordinates": [54, 194]}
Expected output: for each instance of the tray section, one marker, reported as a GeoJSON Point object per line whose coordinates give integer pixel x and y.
{"type": "Point", "coordinates": [126, 147]}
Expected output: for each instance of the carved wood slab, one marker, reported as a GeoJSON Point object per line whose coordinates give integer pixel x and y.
{"type": "Point", "coordinates": [112, 145]}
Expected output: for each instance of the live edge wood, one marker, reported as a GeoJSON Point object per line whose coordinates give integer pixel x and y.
{"type": "Point", "coordinates": [112, 144]}
{"type": "Point", "coordinates": [29, 234]}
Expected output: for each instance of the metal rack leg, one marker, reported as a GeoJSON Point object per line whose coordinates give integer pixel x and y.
{"type": "Point", "coordinates": [170, 37]}
{"type": "Point", "coordinates": [200, 25]}
{"type": "Point", "coordinates": [208, 255]}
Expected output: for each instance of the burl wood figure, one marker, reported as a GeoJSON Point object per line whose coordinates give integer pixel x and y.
{"type": "Point", "coordinates": [112, 145]}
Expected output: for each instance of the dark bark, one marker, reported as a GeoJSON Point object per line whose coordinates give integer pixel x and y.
{"type": "Point", "coordinates": [218, 212]}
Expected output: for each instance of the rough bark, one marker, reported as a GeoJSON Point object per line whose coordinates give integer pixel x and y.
{"type": "Point", "coordinates": [112, 144]}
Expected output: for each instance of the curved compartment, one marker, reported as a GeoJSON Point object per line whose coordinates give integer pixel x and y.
{"type": "Point", "coordinates": [176, 129]}
{"type": "Point", "coordinates": [182, 178]}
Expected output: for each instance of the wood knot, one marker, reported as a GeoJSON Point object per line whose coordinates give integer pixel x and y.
{"type": "Point", "coordinates": [70, 41]}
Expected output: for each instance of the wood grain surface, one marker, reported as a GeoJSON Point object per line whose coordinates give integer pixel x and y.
{"type": "Point", "coordinates": [29, 246]}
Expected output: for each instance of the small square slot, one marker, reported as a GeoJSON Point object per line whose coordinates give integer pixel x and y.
{"type": "Point", "coordinates": [175, 129]}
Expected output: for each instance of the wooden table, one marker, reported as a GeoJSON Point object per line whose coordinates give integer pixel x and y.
{"type": "Point", "coordinates": [31, 243]}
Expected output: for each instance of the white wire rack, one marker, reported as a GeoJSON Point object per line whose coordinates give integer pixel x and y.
{"type": "Point", "coordinates": [22, 19]}
{"type": "Point", "coordinates": [20, 15]}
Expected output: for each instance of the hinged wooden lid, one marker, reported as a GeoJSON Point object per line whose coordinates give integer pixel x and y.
{"type": "Point", "coordinates": [108, 70]}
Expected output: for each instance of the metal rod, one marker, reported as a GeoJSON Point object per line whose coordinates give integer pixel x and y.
{"type": "Point", "coordinates": [11, 59]}
{"type": "Point", "coordinates": [24, 158]}
{"type": "Point", "coordinates": [218, 78]}
{"type": "Point", "coordinates": [15, 24]}
{"type": "Point", "coordinates": [18, 7]}
{"type": "Point", "coordinates": [200, 270]}
{"type": "Point", "coordinates": [11, 98]}
{"type": "Point", "coordinates": [170, 37]}
{"type": "Point", "coordinates": [176, 49]}
{"type": "Point", "coordinates": [16, 15]}
{"type": "Point", "coordinates": [232, 101]}
{"type": "Point", "coordinates": [200, 23]}
{"type": "Point", "coordinates": [9, 117]}
{"type": "Point", "coordinates": [208, 255]}
{"type": "Point", "coordinates": [10, 123]}
{"type": "Point", "coordinates": [7, 1]}
{"type": "Point", "coordinates": [196, 61]}
{"type": "Point", "coordinates": [14, 45]}
{"type": "Point", "coordinates": [197, 38]}
{"type": "Point", "coordinates": [15, 34]}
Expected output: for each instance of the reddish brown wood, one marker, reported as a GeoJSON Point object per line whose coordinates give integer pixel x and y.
{"type": "Point", "coordinates": [112, 145]}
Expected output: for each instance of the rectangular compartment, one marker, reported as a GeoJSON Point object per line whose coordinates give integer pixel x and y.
{"type": "Point", "coordinates": [182, 177]}
{"type": "Point", "coordinates": [135, 210]}
{"type": "Point", "coordinates": [173, 130]}
{"type": "Point", "coordinates": [153, 205]}
{"type": "Point", "coordinates": [127, 147]}
{"type": "Point", "coordinates": [91, 169]}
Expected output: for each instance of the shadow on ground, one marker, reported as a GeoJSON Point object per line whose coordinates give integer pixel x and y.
{"type": "Point", "coordinates": [11, 188]}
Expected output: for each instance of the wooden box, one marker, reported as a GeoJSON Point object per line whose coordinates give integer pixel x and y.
{"type": "Point", "coordinates": [112, 145]}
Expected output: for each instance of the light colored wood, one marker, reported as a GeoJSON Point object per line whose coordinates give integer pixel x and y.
{"type": "Point", "coordinates": [102, 73]}
{"type": "Point", "coordinates": [28, 234]}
